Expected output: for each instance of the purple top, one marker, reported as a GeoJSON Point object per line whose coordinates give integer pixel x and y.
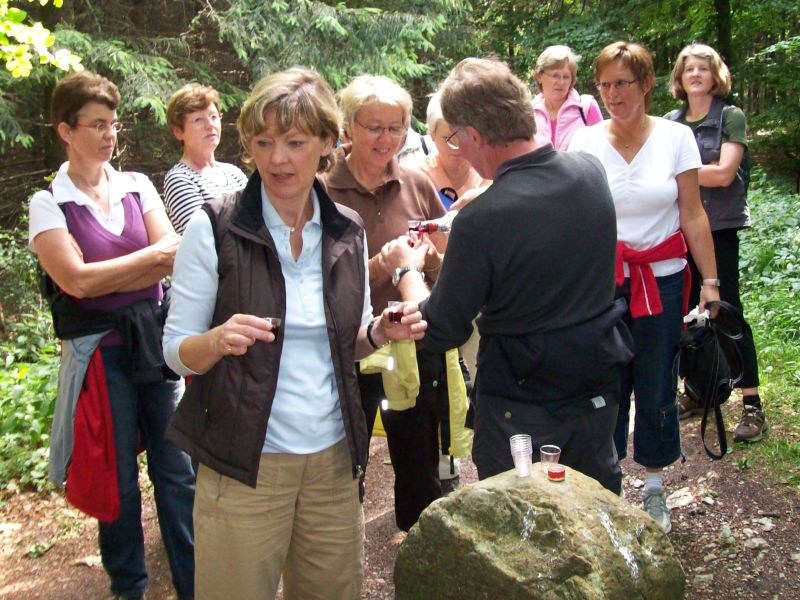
{"type": "Point", "coordinates": [98, 244]}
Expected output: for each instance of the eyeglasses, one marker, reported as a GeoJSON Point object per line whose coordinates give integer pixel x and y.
{"type": "Point", "coordinates": [201, 121]}
{"type": "Point", "coordinates": [619, 84]}
{"type": "Point", "coordinates": [103, 127]}
{"type": "Point", "coordinates": [377, 131]}
{"type": "Point", "coordinates": [556, 77]}
{"type": "Point", "coordinates": [450, 140]}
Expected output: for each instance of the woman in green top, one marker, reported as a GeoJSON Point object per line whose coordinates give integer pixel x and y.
{"type": "Point", "coordinates": [701, 79]}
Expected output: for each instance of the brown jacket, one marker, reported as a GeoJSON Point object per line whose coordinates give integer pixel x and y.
{"type": "Point", "coordinates": [222, 419]}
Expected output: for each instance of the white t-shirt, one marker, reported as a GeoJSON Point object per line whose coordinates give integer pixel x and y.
{"type": "Point", "coordinates": [645, 190]}
{"type": "Point", "coordinates": [44, 212]}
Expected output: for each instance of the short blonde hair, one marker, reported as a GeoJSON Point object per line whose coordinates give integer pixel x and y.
{"type": "Point", "coordinates": [301, 98]}
{"type": "Point", "coordinates": [433, 115]}
{"type": "Point", "coordinates": [633, 56]}
{"type": "Point", "coordinates": [556, 57]}
{"type": "Point", "coordinates": [369, 89]}
{"type": "Point", "coordinates": [719, 70]}
{"type": "Point", "coordinates": [190, 98]}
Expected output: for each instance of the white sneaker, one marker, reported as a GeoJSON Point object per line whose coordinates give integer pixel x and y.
{"type": "Point", "coordinates": [655, 505]}
{"type": "Point", "coordinates": [445, 470]}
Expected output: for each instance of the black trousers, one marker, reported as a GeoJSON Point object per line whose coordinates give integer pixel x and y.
{"type": "Point", "coordinates": [726, 248]}
{"type": "Point", "coordinates": [412, 436]}
{"type": "Point", "coordinates": [584, 432]}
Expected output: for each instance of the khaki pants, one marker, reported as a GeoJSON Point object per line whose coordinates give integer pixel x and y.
{"type": "Point", "coordinates": [303, 520]}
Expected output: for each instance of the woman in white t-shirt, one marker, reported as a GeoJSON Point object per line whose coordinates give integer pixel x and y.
{"type": "Point", "coordinates": [194, 118]}
{"type": "Point", "coordinates": [651, 164]}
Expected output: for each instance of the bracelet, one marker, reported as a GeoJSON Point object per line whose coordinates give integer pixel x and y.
{"type": "Point", "coordinates": [714, 282]}
{"type": "Point", "coordinates": [369, 334]}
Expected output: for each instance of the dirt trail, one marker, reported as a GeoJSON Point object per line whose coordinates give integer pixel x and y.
{"type": "Point", "coordinates": [734, 529]}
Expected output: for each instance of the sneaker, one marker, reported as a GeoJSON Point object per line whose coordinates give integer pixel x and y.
{"type": "Point", "coordinates": [752, 426]}
{"type": "Point", "coordinates": [655, 505]}
{"type": "Point", "coordinates": [446, 469]}
{"type": "Point", "coordinates": [687, 407]}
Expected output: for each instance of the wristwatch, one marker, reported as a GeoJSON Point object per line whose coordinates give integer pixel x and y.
{"type": "Point", "coordinates": [400, 271]}
{"type": "Point", "coordinates": [714, 282]}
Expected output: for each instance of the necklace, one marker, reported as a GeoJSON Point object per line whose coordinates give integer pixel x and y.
{"type": "Point", "coordinates": [94, 191]}
{"type": "Point", "coordinates": [634, 139]}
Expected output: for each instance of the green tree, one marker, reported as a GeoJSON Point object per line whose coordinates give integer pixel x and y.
{"type": "Point", "coordinates": [22, 41]}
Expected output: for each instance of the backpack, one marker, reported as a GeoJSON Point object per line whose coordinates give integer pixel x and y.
{"type": "Point", "coordinates": [711, 365]}
{"type": "Point", "coordinates": [583, 108]}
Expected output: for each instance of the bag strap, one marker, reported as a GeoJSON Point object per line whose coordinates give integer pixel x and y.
{"type": "Point", "coordinates": [727, 332]}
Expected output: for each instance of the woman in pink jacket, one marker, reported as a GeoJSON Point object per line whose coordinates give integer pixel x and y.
{"type": "Point", "coordinates": [560, 111]}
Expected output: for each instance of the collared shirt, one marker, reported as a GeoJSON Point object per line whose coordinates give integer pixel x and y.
{"type": "Point", "coordinates": [306, 415]}
{"type": "Point", "coordinates": [406, 194]}
{"type": "Point", "coordinates": [45, 213]}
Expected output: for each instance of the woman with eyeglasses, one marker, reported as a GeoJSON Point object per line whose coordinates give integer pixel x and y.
{"type": "Point", "coordinates": [452, 175]}
{"type": "Point", "coordinates": [701, 80]}
{"type": "Point", "coordinates": [366, 177]}
{"type": "Point", "coordinates": [559, 109]}
{"type": "Point", "coordinates": [651, 164]}
{"type": "Point", "coordinates": [104, 239]}
{"type": "Point", "coordinates": [193, 115]}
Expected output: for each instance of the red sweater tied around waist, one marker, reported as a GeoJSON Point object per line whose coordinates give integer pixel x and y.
{"type": "Point", "coordinates": [645, 299]}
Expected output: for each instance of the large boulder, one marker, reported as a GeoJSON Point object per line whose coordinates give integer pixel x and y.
{"type": "Point", "coordinates": [512, 538]}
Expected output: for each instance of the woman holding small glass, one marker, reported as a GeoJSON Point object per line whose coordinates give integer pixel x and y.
{"type": "Point", "coordinates": [272, 413]}
{"type": "Point", "coordinates": [366, 177]}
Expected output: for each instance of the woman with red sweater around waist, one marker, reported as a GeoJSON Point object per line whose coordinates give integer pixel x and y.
{"type": "Point", "coordinates": [651, 164]}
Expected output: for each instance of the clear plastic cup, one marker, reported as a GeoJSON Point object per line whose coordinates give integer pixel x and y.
{"type": "Point", "coordinates": [395, 311]}
{"type": "Point", "coordinates": [549, 455]}
{"type": "Point", "coordinates": [275, 322]}
{"type": "Point", "coordinates": [522, 453]}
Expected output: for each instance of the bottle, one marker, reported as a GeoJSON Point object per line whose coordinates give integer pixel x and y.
{"type": "Point", "coordinates": [442, 225]}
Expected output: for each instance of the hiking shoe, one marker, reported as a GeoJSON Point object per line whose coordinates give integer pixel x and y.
{"type": "Point", "coordinates": [687, 407]}
{"type": "Point", "coordinates": [655, 505]}
{"type": "Point", "coordinates": [752, 426]}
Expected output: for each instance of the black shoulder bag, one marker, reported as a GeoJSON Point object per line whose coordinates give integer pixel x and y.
{"type": "Point", "coordinates": [711, 365]}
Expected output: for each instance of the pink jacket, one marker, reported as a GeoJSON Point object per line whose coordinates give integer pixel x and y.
{"type": "Point", "coordinates": [569, 118]}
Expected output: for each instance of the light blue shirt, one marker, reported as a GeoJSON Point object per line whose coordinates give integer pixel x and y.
{"type": "Point", "coordinates": [306, 415]}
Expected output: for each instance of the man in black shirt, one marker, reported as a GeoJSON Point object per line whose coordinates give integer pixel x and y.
{"type": "Point", "coordinates": [534, 255]}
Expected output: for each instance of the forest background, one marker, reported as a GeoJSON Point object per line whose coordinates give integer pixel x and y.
{"type": "Point", "coordinates": [149, 48]}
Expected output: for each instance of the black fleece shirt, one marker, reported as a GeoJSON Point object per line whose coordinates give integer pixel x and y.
{"type": "Point", "coordinates": [533, 254]}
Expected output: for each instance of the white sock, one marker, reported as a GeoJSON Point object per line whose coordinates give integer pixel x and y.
{"type": "Point", "coordinates": [654, 480]}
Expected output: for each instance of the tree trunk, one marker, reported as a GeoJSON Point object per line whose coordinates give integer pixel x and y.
{"type": "Point", "coordinates": [724, 27]}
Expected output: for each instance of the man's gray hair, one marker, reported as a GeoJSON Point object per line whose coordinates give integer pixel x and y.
{"type": "Point", "coordinates": [483, 93]}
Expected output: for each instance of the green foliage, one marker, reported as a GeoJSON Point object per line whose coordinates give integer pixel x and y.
{"type": "Point", "coordinates": [24, 43]}
{"type": "Point", "coordinates": [770, 270]}
{"type": "Point", "coordinates": [18, 280]}
{"type": "Point", "coordinates": [28, 381]}
{"type": "Point", "coordinates": [340, 42]}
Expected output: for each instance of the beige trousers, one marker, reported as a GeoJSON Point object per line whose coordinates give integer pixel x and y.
{"type": "Point", "coordinates": [303, 520]}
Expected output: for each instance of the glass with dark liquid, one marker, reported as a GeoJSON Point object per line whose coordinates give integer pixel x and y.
{"type": "Point", "coordinates": [275, 322]}
{"type": "Point", "coordinates": [395, 311]}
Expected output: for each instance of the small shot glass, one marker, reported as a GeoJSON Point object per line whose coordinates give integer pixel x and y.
{"type": "Point", "coordinates": [275, 322]}
{"type": "Point", "coordinates": [549, 455]}
{"type": "Point", "coordinates": [395, 311]}
{"type": "Point", "coordinates": [521, 451]}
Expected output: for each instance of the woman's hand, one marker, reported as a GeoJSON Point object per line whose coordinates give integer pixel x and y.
{"type": "Point", "coordinates": [709, 293]}
{"type": "Point", "coordinates": [410, 327]}
{"type": "Point", "coordinates": [235, 336]}
{"type": "Point", "coordinates": [165, 248]}
{"type": "Point", "coordinates": [405, 252]}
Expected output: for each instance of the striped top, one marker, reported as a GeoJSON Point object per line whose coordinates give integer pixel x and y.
{"type": "Point", "coordinates": [186, 190]}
